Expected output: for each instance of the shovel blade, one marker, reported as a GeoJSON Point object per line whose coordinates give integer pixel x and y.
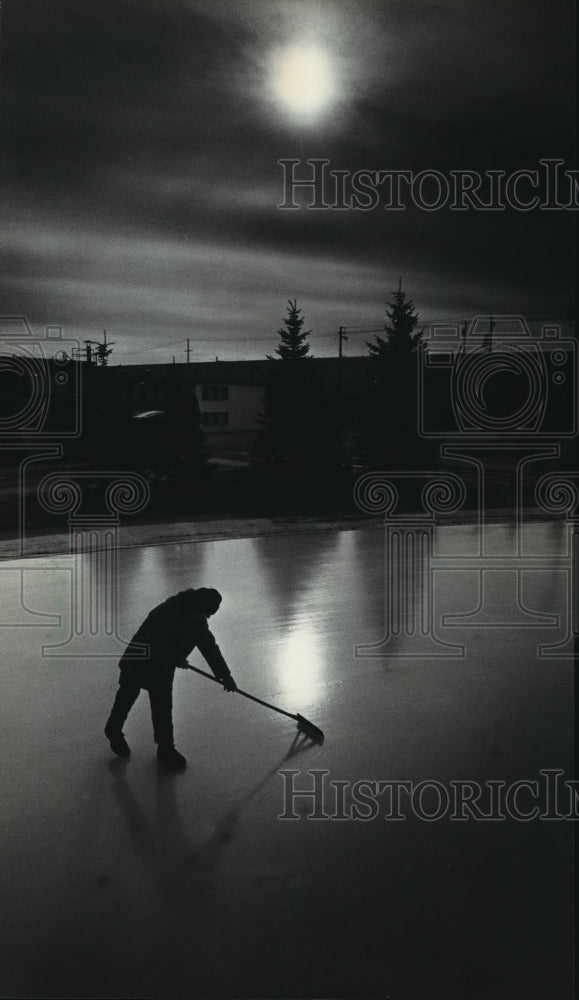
{"type": "Point", "coordinates": [308, 728]}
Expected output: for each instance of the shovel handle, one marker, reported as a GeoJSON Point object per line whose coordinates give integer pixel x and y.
{"type": "Point", "coordinates": [244, 694]}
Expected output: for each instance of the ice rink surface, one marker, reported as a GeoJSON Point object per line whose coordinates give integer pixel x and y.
{"type": "Point", "coordinates": [120, 880]}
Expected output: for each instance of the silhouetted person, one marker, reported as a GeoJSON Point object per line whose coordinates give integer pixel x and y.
{"type": "Point", "coordinates": [170, 631]}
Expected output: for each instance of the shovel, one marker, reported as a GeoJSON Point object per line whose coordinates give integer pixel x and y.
{"type": "Point", "coordinates": [304, 726]}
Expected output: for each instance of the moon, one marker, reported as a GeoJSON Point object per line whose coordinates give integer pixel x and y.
{"type": "Point", "coordinates": [303, 80]}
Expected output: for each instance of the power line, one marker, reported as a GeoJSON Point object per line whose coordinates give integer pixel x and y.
{"type": "Point", "coordinates": [325, 335]}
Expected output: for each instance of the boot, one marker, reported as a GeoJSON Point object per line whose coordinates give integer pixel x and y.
{"type": "Point", "coordinates": [118, 743]}
{"type": "Point", "coordinates": [171, 758]}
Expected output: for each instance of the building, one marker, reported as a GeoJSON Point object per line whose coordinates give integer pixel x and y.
{"type": "Point", "coordinates": [229, 393]}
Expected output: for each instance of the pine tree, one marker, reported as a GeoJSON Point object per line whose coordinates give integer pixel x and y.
{"type": "Point", "coordinates": [298, 441]}
{"type": "Point", "coordinates": [389, 436]}
{"type": "Point", "coordinates": [401, 328]}
{"type": "Point", "coordinates": [293, 346]}
{"type": "Point", "coordinates": [286, 417]}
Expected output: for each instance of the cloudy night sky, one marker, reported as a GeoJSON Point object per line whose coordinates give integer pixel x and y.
{"type": "Point", "coordinates": [140, 182]}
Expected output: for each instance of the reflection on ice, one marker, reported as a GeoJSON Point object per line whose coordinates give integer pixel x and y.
{"type": "Point", "coordinates": [298, 663]}
{"type": "Point", "coordinates": [193, 886]}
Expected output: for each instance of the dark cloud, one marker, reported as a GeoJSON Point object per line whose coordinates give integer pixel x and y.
{"type": "Point", "coordinates": [140, 145]}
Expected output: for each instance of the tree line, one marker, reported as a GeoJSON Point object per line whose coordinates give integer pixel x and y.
{"type": "Point", "coordinates": [313, 439]}
{"type": "Point", "coordinates": [310, 442]}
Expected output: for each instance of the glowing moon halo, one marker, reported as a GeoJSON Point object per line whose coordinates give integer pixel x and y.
{"type": "Point", "coordinates": [303, 80]}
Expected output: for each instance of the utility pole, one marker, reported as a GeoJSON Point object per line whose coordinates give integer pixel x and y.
{"type": "Point", "coordinates": [103, 350]}
{"type": "Point", "coordinates": [341, 338]}
{"type": "Point", "coordinates": [100, 354]}
{"type": "Point", "coordinates": [188, 351]}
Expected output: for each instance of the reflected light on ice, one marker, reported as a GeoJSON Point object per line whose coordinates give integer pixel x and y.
{"type": "Point", "coordinates": [298, 663]}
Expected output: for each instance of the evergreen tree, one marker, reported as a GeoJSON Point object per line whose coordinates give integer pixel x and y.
{"type": "Point", "coordinates": [299, 438]}
{"type": "Point", "coordinates": [293, 346]}
{"type": "Point", "coordinates": [401, 328]}
{"type": "Point", "coordinates": [389, 434]}
{"type": "Point", "coordinates": [286, 417]}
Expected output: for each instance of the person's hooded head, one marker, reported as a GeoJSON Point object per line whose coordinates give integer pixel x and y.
{"type": "Point", "coordinates": [207, 601]}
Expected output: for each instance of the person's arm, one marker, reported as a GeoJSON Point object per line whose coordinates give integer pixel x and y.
{"type": "Point", "coordinates": [208, 647]}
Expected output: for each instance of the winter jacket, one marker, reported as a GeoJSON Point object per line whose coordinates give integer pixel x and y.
{"type": "Point", "coordinates": [171, 631]}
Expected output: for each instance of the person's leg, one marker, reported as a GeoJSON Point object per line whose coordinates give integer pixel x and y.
{"type": "Point", "coordinates": [161, 698]}
{"type": "Point", "coordinates": [125, 698]}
